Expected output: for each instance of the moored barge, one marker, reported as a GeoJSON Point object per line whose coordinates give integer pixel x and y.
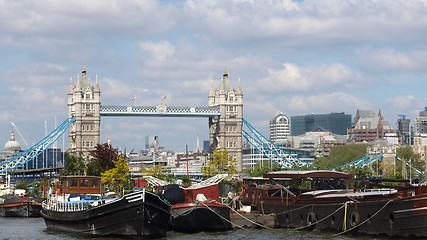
{"type": "Point", "coordinates": [329, 200]}
{"type": "Point", "coordinates": [139, 213]}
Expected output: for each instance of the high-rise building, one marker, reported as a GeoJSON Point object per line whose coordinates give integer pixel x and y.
{"type": "Point", "coordinates": [279, 129]}
{"type": "Point", "coordinates": [404, 130]}
{"type": "Point", "coordinates": [420, 122]}
{"type": "Point", "coordinates": [151, 142]}
{"type": "Point", "coordinates": [336, 123]}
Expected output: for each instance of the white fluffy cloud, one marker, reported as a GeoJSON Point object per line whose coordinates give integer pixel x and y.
{"type": "Point", "coordinates": [293, 78]}
{"type": "Point", "coordinates": [297, 57]}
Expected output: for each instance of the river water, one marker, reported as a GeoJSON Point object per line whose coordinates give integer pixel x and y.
{"type": "Point", "coordinates": [34, 229]}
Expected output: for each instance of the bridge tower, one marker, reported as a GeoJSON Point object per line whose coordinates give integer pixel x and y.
{"type": "Point", "coordinates": [84, 100]}
{"type": "Point", "coordinates": [226, 129]}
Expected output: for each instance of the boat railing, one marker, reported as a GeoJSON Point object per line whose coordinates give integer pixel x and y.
{"type": "Point", "coordinates": [54, 205]}
{"type": "Point", "coordinates": [380, 190]}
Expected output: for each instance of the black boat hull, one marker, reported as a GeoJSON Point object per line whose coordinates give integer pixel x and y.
{"type": "Point", "coordinates": [15, 206]}
{"type": "Point", "coordinates": [397, 217]}
{"type": "Point", "coordinates": [198, 217]}
{"type": "Point", "coordinates": [140, 213]}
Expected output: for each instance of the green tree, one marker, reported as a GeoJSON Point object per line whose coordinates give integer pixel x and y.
{"type": "Point", "coordinates": [102, 159]}
{"type": "Point", "coordinates": [262, 168]}
{"type": "Point", "coordinates": [159, 172]}
{"type": "Point", "coordinates": [341, 155]}
{"type": "Point", "coordinates": [410, 160]}
{"type": "Point", "coordinates": [219, 163]}
{"type": "Point", "coordinates": [75, 164]}
{"type": "Point", "coordinates": [117, 176]}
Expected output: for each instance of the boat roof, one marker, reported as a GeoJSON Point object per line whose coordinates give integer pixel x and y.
{"type": "Point", "coordinates": [308, 174]}
{"type": "Point", "coordinates": [81, 176]}
{"type": "Point", "coordinates": [209, 182]}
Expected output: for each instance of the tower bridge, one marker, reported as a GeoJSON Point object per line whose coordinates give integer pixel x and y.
{"type": "Point", "coordinates": [224, 113]}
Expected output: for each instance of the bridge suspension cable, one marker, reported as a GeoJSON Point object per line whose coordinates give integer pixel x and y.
{"type": "Point", "coordinates": [270, 149]}
{"type": "Point", "coordinates": [31, 153]}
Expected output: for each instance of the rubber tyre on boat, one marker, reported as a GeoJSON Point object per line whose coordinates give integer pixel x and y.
{"type": "Point", "coordinates": [311, 220]}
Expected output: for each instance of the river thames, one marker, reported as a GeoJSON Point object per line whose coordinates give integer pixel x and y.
{"type": "Point", "coordinates": [34, 229]}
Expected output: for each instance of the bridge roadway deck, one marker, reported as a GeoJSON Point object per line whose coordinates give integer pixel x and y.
{"type": "Point", "coordinates": [159, 111]}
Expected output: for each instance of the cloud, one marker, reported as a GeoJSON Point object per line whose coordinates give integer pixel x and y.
{"type": "Point", "coordinates": [115, 88]}
{"type": "Point", "coordinates": [293, 78]}
{"type": "Point", "coordinates": [406, 104]}
{"type": "Point", "coordinates": [326, 102]}
{"type": "Point", "coordinates": [310, 23]}
{"type": "Point", "coordinates": [157, 52]}
{"type": "Point", "coordinates": [392, 60]}
{"type": "Point", "coordinates": [29, 94]}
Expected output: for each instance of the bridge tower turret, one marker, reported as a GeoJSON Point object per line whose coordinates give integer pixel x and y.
{"type": "Point", "coordinates": [84, 100]}
{"type": "Point", "coordinates": [226, 129]}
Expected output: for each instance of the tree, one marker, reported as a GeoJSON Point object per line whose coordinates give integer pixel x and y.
{"type": "Point", "coordinates": [341, 155]}
{"type": "Point", "coordinates": [118, 175]}
{"type": "Point", "coordinates": [75, 164]}
{"type": "Point", "coordinates": [410, 160]}
{"type": "Point", "coordinates": [102, 159]}
{"type": "Point", "coordinates": [260, 169]}
{"type": "Point", "coordinates": [157, 171]}
{"type": "Point", "coordinates": [219, 163]}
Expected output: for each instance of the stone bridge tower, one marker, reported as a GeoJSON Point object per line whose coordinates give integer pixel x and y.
{"type": "Point", "coordinates": [226, 129]}
{"type": "Point", "coordinates": [84, 100]}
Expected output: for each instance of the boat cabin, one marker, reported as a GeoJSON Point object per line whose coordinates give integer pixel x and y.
{"type": "Point", "coordinates": [81, 185]}
{"type": "Point", "coordinates": [289, 186]}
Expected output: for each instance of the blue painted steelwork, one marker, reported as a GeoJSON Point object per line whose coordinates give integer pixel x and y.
{"type": "Point", "coordinates": [363, 161]}
{"type": "Point", "coordinates": [271, 150]}
{"type": "Point", "coordinates": [409, 165]}
{"type": "Point", "coordinates": [159, 111]}
{"type": "Point", "coordinates": [31, 153]}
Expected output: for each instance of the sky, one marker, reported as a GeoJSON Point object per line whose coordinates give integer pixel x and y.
{"type": "Point", "coordinates": [296, 57]}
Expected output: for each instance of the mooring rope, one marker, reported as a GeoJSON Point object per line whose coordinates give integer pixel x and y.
{"type": "Point", "coordinates": [321, 219]}
{"type": "Point", "coordinates": [292, 210]}
{"type": "Point", "coordinates": [187, 212]}
{"type": "Point", "coordinates": [360, 224]}
{"type": "Point", "coordinates": [247, 219]}
{"type": "Point", "coordinates": [222, 216]}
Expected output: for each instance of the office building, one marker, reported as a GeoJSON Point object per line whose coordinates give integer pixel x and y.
{"type": "Point", "coordinates": [336, 123]}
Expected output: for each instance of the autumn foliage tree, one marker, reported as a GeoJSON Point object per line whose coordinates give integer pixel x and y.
{"type": "Point", "coordinates": [102, 159]}
{"type": "Point", "coordinates": [117, 176]}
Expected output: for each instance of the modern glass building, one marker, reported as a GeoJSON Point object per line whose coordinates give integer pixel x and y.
{"type": "Point", "coordinates": [337, 123]}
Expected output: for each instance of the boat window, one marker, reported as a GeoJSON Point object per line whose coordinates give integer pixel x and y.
{"type": "Point", "coordinates": [94, 183]}
{"type": "Point", "coordinates": [84, 183]}
{"type": "Point", "coordinates": [73, 183]}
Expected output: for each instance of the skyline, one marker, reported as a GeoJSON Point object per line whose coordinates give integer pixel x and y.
{"type": "Point", "coordinates": [296, 57]}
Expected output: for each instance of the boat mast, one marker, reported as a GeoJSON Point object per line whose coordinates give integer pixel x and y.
{"type": "Point", "coordinates": [186, 155]}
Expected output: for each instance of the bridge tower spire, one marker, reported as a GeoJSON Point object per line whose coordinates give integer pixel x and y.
{"type": "Point", "coordinates": [84, 100]}
{"type": "Point", "coordinates": [226, 129]}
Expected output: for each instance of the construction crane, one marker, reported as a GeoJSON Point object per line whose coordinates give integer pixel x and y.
{"type": "Point", "coordinates": [402, 116]}
{"type": "Point", "coordinates": [20, 135]}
